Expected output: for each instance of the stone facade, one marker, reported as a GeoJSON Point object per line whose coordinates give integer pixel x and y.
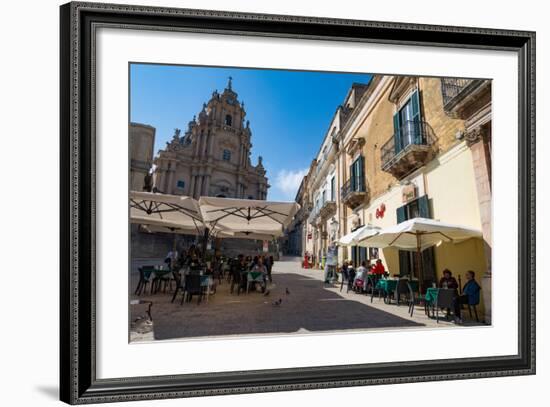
{"type": "Point", "coordinates": [406, 147]}
{"type": "Point", "coordinates": [212, 157]}
{"type": "Point", "coordinates": [141, 142]}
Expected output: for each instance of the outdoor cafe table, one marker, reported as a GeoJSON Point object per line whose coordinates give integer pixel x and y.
{"type": "Point", "coordinates": [389, 286]}
{"type": "Point", "coordinates": [431, 295]}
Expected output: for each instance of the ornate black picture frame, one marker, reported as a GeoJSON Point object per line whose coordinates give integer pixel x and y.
{"type": "Point", "coordinates": [77, 274]}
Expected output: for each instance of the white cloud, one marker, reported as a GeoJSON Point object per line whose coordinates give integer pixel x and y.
{"type": "Point", "coordinates": [287, 182]}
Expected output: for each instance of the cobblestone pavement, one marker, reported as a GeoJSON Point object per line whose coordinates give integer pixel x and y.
{"type": "Point", "coordinates": [310, 306]}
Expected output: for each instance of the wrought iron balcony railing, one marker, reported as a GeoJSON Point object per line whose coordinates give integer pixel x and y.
{"type": "Point", "coordinates": [353, 194]}
{"type": "Point", "coordinates": [348, 189]}
{"type": "Point", "coordinates": [452, 87]}
{"type": "Point", "coordinates": [413, 136]}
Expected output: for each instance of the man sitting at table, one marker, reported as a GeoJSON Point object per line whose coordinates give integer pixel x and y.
{"type": "Point", "coordinates": [448, 281]}
{"type": "Point", "coordinates": [470, 295]}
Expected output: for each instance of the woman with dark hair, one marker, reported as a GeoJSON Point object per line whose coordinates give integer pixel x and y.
{"type": "Point", "coordinates": [448, 281]}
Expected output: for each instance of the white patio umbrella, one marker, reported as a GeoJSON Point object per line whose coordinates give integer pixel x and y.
{"type": "Point", "coordinates": [256, 235]}
{"type": "Point", "coordinates": [168, 213]}
{"type": "Point", "coordinates": [247, 215]}
{"type": "Point", "coordinates": [358, 234]}
{"type": "Point", "coordinates": [179, 210]}
{"type": "Point", "coordinates": [418, 234]}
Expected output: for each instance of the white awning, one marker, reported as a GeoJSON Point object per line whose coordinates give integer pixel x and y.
{"type": "Point", "coordinates": [362, 232]}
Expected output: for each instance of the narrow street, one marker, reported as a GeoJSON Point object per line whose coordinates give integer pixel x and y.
{"type": "Point", "coordinates": [309, 307]}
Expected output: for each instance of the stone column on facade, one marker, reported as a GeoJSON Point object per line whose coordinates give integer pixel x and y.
{"type": "Point", "coordinates": [196, 145]}
{"type": "Point", "coordinates": [192, 183]}
{"type": "Point", "coordinates": [170, 183]}
{"type": "Point", "coordinates": [482, 171]}
{"type": "Point", "coordinates": [159, 177]}
{"type": "Point", "coordinates": [206, 189]}
{"type": "Point", "coordinates": [210, 144]}
{"type": "Point", "coordinates": [196, 186]}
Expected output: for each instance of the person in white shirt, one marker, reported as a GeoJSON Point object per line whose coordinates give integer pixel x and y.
{"type": "Point", "coordinates": [171, 255]}
{"type": "Point", "coordinates": [360, 276]}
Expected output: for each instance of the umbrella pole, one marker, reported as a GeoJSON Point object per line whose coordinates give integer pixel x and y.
{"type": "Point", "coordinates": [418, 262]}
{"type": "Point", "coordinates": [173, 254]}
{"type": "Point", "coordinates": [204, 243]}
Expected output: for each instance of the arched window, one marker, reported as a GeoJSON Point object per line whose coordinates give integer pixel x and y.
{"type": "Point", "coordinates": [228, 120]}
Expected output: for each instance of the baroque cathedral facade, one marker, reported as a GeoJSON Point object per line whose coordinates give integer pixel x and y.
{"type": "Point", "coordinates": [212, 157]}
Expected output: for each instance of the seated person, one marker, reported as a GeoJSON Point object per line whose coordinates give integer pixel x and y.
{"type": "Point", "coordinates": [448, 281]}
{"type": "Point", "coordinates": [258, 266]}
{"type": "Point", "coordinates": [470, 294]}
{"type": "Point", "coordinates": [360, 276]}
{"type": "Point", "coordinates": [378, 268]}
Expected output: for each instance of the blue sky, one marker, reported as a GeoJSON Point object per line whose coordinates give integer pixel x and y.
{"type": "Point", "coordinates": [289, 111]}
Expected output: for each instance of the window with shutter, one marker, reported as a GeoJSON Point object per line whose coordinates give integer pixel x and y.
{"type": "Point", "coordinates": [415, 105]}
{"type": "Point", "coordinates": [396, 133]}
{"type": "Point", "coordinates": [424, 207]}
{"type": "Point", "coordinates": [404, 263]}
{"type": "Point", "coordinates": [360, 174]}
{"type": "Point", "coordinates": [351, 177]}
{"type": "Point", "coordinates": [401, 214]}
{"type": "Point", "coordinates": [407, 260]}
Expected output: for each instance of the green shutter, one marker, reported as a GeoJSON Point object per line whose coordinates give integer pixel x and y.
{"type": "Point", "coordinates": [401, 214]}
{"type": "Point", "coordinates": [415, 102]}
{"type": "Point", "coordinates": [404, 263]}
{"type": "Point", "coordinates": [396, 133]}
{"type": "Point", "coordinates": [428, 264]}
{"type": "Point", "coordinates": [351, 177]}
{"type": "Point", "coordinates": [361, 174]}
{"type": "Point", "coordinates": [354, 255]}
{"type": "Point", "coordinates": [424, 207]}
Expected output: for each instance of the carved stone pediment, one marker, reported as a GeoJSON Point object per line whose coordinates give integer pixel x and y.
{"type": "Point", "coordinates": [401, 85]}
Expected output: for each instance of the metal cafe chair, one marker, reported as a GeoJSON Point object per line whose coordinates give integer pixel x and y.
{"type": "Point", "coordinates": [402, 289]}
{"type": "Point", "coordinates": [192, 287]}
{"type": "Point", "coordinates": [144, 279]}
{"type": "Point", "coordinates": [371, 287]}
{"type": "Point", "coordinates": [345, 279]}
{"type": "Point", "coordinates": [414, 298]}
{"type": "Point", "coordinates": [445, 299]}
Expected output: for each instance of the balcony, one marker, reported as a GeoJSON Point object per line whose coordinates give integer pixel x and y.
{"type": "Point", "coordinates": [327, 210]}
{"type": "Point", "coordinates": [459, 94]}
{"type": "Point", "coordinates": [314, 216]}
{"type": "Point", "coordinates": [354, 195]}
{"type": "Point", "coordinates": [410, 148]}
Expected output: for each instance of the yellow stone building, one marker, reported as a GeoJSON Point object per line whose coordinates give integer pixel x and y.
{"type": "Point", "coordinates": [404, 147]}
